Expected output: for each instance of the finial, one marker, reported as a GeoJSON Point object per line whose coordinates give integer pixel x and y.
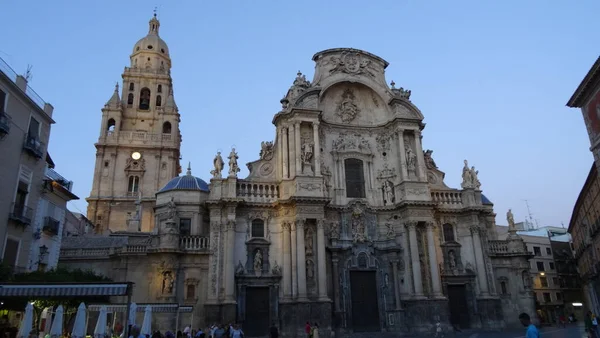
{"type": "Point", "coordinates": [155, 11]}
{"type": "Point", "coordinates": [117, 87]}
{"type": "Point", "coordinates": [189, 169]}
{"type": "Point", "coordinates": [299, 73]}
{"type": "Point", "coordinates": [393, 84]}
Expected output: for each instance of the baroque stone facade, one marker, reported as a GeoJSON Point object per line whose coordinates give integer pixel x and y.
{"type": "Point", "coordinates": [343, 220]}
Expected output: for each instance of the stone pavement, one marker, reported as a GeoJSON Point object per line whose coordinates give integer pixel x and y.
{"type": "Point", "coordinates": [571, 331]}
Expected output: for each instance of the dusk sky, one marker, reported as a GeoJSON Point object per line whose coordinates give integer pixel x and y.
{"type": "Point", "coordinates": [491, 78]}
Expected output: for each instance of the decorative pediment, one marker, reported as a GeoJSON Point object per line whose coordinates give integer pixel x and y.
{"type": "Point", "coordinates": [135, 166]}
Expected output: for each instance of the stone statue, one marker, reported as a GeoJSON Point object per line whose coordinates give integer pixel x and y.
{"type": "Point", "coordinates": [276, 269]}
{"type": "Point", "coordinates": [466, 176]}
{"type": "Point", "coordinates": [386, 280]}
{"type": "Point", "coordinates": [258, 261]}
{"type": "Point", "coordinates": [388, 190]}
{"type": "Point", "coordinates": [307, 153]}
{"type": "Point", "coordinates": [391, 233]}
{"type": "Point", "coordinates": [510, 218]}
{"type": "Point", "coordinates": [474, 178]}
{"type": "Point", "coordinates": [172, 209]}
{"type": "Point", "coordinates": [167, 285]}
{"type": "Point", "coordinates": [266, 151]}
{"type": "Point", "coordinates": [451, 259]}
{"type": "Point", "coordinates": [410, 159]}
{"type": "Point", "coordinates": [240, 269]}
{"type": "Point", "coordinates": [334, 231]}
{"type": "Point", "coordinates": [347, 110]}
{"type": "Point", "coordinates": [429, 162]}
{"type": "Point", "coordinates": [359, 230]}
{"type": "Point", "coordinates": [309, 242]}
{"type": "Point", "coordinates": [233, 165]}
{"type": "Point", "coordinates": [218, 166]}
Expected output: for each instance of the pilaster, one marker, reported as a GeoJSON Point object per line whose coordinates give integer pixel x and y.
{"type": "Point", "coordinates": [433, 263]}
{"type": "Point", "coordinates": [317, 149]}
{"type": "Point", "coordinates": [420, 159]}
{"type": "Point", "coordinates": [294, 249]}
{"type": "Point", "coordinates": [285, 151]}
{"type": "Point", "coordinates": [287, 262]}
{"type": "Point", "coordinates": [402, 157]}
{"type": "Point", "coordinates": [297, 146]}
{"type": "Point", "coordinates": [301, 255]}
{"type": "Point", "coordinates": [322, 274]}
{"type": "Point", "coordinates": [414, 257]}
{"type": "Point", "coordinates": [479, 261]}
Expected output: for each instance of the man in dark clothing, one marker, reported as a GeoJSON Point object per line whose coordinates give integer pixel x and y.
{"type": "Point", "coordinates": [273, 331]}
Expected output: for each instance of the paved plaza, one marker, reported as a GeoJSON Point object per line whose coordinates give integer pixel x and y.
{"type": "Point", "coordinates": [572, 331]}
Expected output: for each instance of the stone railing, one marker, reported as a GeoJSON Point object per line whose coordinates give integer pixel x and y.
{"type": "Point", "coordinates": [84, 253]}
{"type": "Point", "coordinates": [194, 243]}
{"type": "Point", "coordinates": [257, 191]}
{"type": "Point", "coordinates": [498, 247]}
{"type": "Point", "coordinates": [447, 198]}
{"type": "Point", "coordinates": [135, 249]}
{"type": "Point", "coordinates": [139, 137]}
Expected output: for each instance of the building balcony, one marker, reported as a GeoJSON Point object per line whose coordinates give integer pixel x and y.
{"type": "Point", "coordinates": [56, 177]}
{"type": "Point", "coordinates": [194, 243]}
{"type": "Point", "coordinates": [5, 121]}
{"type": "Point", "coordinates": [21, 214]}
{"type": "Point", "coordinates": [51, 226]}
{"type": "Point", "coordinates": [33, 146]}
{"type": "Point", "coordinates": [258, 192]}
{"type": "Point", "coordinates": [140, 138]}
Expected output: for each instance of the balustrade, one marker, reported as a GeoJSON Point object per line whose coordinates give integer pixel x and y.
{"type": "Point", "coordinates": [447, 198]}
{"type": "Point", "coordinates": [257, 192]}
{"type": "Point", "coordinates": [193, 243]}
{"type": "Point", "coordinates": [498, 247]}
{"type": "Point", "coordinates": [139, 137]}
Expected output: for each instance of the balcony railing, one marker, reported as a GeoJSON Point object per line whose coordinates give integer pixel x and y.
{"type": "Point", "coordinates": [51, 226]}
{"type": "Point", "coordinates": [193, 243]}
{"type": "Point", "coordinates": [447, 198]}
{"type": "Point", "coordinates": [139, 137]}
{"type": "Point", "coordinates": [4, 123]}
{"type": "Point", "coordinates": [21, 214]}
{"type": "Point", "coordinates": [257, 192]}
{"type": "Point", "coordinates": [33, 146]}
{"type": "Point", "coordinates": [56, 177]}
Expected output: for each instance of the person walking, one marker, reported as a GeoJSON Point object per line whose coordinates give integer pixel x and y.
{"type": "Point", "coordinates": [532, 331]}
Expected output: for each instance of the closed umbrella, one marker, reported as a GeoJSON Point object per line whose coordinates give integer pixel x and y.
{"type": "Point", "coordinates": [27, 323]}
{"type": "Point", "coordinates": [132, 312]}
{"type": "Point", "coordinates": [57, 323]}
{"type": "Point", "coordinates": [147, 323]}
{"type": "Point", "coordinates": [79, 325]}
{"type": "Point", "coordinates": [100, 330]}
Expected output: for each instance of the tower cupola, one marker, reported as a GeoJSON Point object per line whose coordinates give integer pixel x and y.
{"type": "Point", "coordinates": [151, 52]}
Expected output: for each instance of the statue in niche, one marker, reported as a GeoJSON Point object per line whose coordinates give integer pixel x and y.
{"type": "Point", "coordinates": [388, 192]}
{"type": "Point", "coordinates": [510, 218]}
{"type": "Point", "coordinates": [334, 231]}
{"type": "Point", "coordinates": [266, 151]}
{"type": "Point", "coordinates": [233, 165]}
{"type": "Point", "coordinates": [309, 242]}
{"type": "Point", "coordinates": [167, 284]}
{"type": "Point", "coordinates": [466, 176]}
{"type": "Point", "coordinates": [386, 280]}
{"type": "Point", "coordinates": [258, 261]}
{"type": "Point", "coordinates": [451, 259]}
{"type": "Point", "coordinates": [306, 157]}
{"type": "Point", "coordinates": [240, 269]}
{"type": "Point", "coordinates": [310, 269]}
{"type": "Point", "coordinates": [475, 180]}
{"type": "Point", "coordinates": [359, 229]}
{"type": "Point", "coordinates": [391, 233]}
{"type": "Point", "coordinates": [411, 158]}
{"type": "Point", "coordinates": [276, 269]}
{"type": "Point", "coordinates": [172, 209]}
{"type": "Point", "coordinates": [429, 162]}
{"type": "Point", "coordinates": [218, 166]}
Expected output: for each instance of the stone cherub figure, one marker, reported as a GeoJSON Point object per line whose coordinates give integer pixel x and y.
{"type": "Point", "coordinates": [218, 166]}
{"type": "Point", "coordinates": [233, 165]}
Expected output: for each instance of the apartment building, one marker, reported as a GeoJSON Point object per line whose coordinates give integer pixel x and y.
{"type": "Point", "coordinates": [25, 121]}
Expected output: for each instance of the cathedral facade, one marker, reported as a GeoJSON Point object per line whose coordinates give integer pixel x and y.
{"type": "Point", "coordinates": [343, 220]}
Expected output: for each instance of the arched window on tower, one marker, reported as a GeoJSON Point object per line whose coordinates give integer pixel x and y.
{"type": "Point", "coordinates": [159, 90]}
{"type": "Point", "coordinates": [158, 101]}
{"type": "Point", "coordinates": [167, 127]}
{"type": "Point", "coordinates": [145, 99]}
{"type": "Point", "coordinates": [131, 86]}
{"type": "Point", "coordinates": [130, 100]}
{"type": "Point", "coordinates": [258, 228]}
{"type": "Point", "coordinates": [355, 178]}
{"type": "Point", "coordinates": [503, 289]}
{"type": "Point", "coordinates": [110, 126]}
{"type": "Point", "coordinates": [448, 232]}
{"type": "Point", "coordinates": [133, 186]}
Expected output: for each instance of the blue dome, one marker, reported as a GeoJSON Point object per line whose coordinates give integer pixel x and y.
{"type": "Point", "coordinates": [186, 182]}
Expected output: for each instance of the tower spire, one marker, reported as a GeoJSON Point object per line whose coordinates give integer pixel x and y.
{"type": "Point", "coordinates": [154, 24]}
{"type": "Point", "coordinates": [189, 169]}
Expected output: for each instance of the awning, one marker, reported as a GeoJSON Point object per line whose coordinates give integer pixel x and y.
{"type": "Point", "coordinates": [156, 307]}
{"type": "Point", "coordinates": [64, 289]}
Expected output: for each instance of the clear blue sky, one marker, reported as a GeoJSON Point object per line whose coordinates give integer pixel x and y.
{"type": "Point", "coordinates": [491, 77]}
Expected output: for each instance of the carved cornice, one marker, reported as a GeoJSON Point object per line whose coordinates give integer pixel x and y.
{"type": "Point", "coordinates": [300, 223]}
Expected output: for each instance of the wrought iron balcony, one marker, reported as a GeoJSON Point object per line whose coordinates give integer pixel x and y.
{"type": "Point", "coordinates": [21, 214]}
{"type": "Point", "coordinates": [33, 146]}
{"type": "Point", "coordinates": [51, 226]}
{"type": "Point", "coordinates": [4, 123]}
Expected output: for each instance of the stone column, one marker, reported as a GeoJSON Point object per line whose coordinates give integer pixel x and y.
{"type": "Point", "coordinates": [436, 284]}
{"type": "Point", "coordinates": [414, 258]}
{"type": "Point", "coordinates": [403, 167]}
{"type": "Point", "coordinates": [336, 282]}
{"type": "Point", "coordinates": [287, 264]}
{"type": "Point", "coordinates": [301, 255]}
{"type": "Point", "coordinates": [420, 159]}
{"type": "Point", "coordinates": [298, 148]}
{"type": "Point", "coordinates": [284, 152]}
{"type": "Point", "coordinates": [230, 263]}
{"type": "Point", "coordinates": [322, 257]}
{"type": "Point", "coordinates": [479, 261]}
{"type": "Point", "coordinates": [396, 284]}
{"type": "Point", "coordinates": [317, 149]}
{"type": "Point", "coordinates": [408, 286]}
{"type": "Point", "coordinates": [293, 249]}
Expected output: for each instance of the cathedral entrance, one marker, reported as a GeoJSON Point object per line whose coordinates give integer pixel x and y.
{"type": "Point", "coordinates": [457, 303]}
{"type": "Point", "coordinates": [365, 308]}
{"type": "Point", "coordinates": [257, 312]}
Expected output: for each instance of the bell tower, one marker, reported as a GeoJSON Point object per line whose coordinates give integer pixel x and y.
{"type": "Point", "coordinates": [138, 149]}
